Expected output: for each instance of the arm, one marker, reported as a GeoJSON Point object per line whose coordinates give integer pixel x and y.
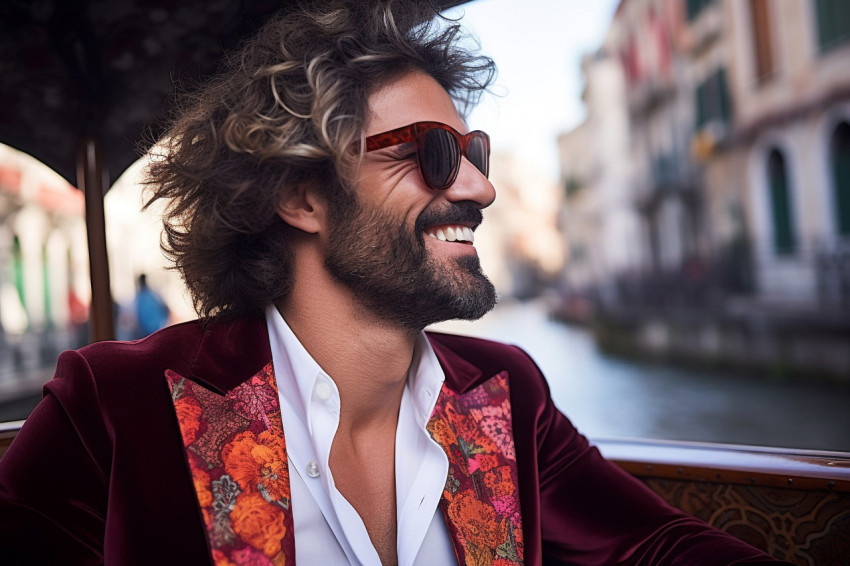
{"type": "Point", "coordinates": [53, 493]}
{"type": "Point", "coordinates": [594, 513]}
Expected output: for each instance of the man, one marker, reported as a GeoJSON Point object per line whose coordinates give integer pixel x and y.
{"type": "Point", "coordinates": [324, 196]}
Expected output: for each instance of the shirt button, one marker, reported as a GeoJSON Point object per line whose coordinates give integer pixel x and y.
{"type": "Point", "coordinates": [323, 391]}
{"type": "Point", "coordinates": [313, 469]}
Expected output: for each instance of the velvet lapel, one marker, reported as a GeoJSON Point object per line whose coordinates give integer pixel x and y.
{"type": "Point", "coordinates": [481, 498]}
{"type": "Point", "coordinates": [235, 448]}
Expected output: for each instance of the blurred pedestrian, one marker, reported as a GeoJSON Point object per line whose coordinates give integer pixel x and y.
{"type": "Point", "coordinates": [151, 311]}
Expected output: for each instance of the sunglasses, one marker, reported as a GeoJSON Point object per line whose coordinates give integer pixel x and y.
{"type": "Point", "coordinates": [438, 150]}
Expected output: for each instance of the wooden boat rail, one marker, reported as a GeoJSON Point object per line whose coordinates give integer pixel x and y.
{"type": "Point", "coordinates": [8, 431]}
{"type": "Point", "coordinates": [793, 504]}
{"type": "Point", "coordinates": [731, 464]}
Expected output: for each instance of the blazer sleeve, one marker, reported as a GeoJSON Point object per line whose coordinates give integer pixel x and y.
{"type": "Point", "coordinates": [594, 513]}
{"type": "Point", "coordinates": [53, 491]}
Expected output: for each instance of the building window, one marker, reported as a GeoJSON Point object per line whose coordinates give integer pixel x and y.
{"type": "Point", "coordinates": [840, 154]}
{"type": "Point", "coordinates": [833, 22]}
{"type": "Point", "coordinates": [762, 43]}
{"type": "Point", "coordinates": [696, 6]}
{"type": "Point", "coordinates": [712, 100]}
{"type": "Point", "coordinates": [572, 185]}
{"type": "Point", "coordinates": [784, 239]}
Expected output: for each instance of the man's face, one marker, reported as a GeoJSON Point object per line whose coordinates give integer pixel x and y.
{"type": "Point", "coordinates": [388, 240]}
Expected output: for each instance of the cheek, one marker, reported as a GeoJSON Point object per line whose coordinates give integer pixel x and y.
{"type": "Point", "coordinates": [380, 183]}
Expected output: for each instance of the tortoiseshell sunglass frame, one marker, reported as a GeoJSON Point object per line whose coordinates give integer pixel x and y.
{"type": "Point", "coordinates": [416, 133]}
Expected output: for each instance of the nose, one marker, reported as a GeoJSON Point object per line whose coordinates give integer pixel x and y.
{"type": "Point", "coordinates": [471, 185]}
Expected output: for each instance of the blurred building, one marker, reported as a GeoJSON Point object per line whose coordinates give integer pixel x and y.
{"type": "Point", "coordinates": [44, 284]}
{"type": "Point", "coordinates": [717, 140]}
{"type": "Point", "coordinates": [784, 158]}
{"type": "Point", "coordinates": [520, 246]}
{"type": "Point", "coordinates": [599, 222]}
{"type": "Point", "coordinates": [633, 208]}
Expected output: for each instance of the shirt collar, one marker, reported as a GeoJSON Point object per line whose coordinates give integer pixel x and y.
{"type": "Point", "coordinates": [424, 378]}
{"type": "Point", "coordinates": [295, 369]}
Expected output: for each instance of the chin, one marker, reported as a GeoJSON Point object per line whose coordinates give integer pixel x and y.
{"type": "Point", "coordinates": [462, 292]}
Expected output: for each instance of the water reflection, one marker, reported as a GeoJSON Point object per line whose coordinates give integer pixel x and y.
{"type": "Point", "coordinates": [609, 397]}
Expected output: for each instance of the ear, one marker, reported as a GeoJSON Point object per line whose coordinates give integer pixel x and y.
{"type": "Point", "coordinates": [303, 208]}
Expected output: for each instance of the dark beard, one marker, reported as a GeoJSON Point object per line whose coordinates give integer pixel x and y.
{"type": "Point", "coordinates": [393, 275]}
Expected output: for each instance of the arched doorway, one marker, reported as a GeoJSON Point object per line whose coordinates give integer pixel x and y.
{"type": "Point", "coordinates": [784, 236]}
{"type": "Point", "coordinates": [839, 151]}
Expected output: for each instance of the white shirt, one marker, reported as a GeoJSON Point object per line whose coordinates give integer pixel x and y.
{"type": "Point", "coordinates": [328, 530]}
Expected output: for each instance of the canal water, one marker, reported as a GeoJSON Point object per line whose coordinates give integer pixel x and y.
{"type": "Point", "coordinates": [608, 397]}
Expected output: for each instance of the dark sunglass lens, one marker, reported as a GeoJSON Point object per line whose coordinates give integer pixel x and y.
{"type": "Point", "coordinates": [477, 152]}
{"type": "Point", "coordinates": [439, 158]}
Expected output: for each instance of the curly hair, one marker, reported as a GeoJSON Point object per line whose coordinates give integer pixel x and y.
{"type": "Point", "coordinates": [288, 108]}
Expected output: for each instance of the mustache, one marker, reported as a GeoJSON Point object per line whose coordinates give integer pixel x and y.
{"type": "Point", "coordinates": [457, 213]}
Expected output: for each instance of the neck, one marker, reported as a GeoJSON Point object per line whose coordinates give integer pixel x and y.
{"type": "Point", "coordinates": [367, 357]}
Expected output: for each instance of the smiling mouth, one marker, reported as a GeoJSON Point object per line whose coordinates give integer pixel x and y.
{"type": "Point", "coordinates": [452, 233]}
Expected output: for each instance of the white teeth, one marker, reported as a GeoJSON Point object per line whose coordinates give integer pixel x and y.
{"type": "Point", "coordinates": [453, 234]}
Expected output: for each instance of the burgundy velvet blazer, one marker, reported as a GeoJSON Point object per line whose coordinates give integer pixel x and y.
{"type": "Point", "coordinates": [98, 474]}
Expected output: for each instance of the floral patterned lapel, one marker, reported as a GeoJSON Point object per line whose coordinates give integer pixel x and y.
{"type": "Point", "coordinates": [481, 498]}
{"type": "Point", "coordinates": [236, 452]}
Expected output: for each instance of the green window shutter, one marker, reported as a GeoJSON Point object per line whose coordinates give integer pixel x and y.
{"type": "Point", "coordinates": [833, 17]}
{"type": "Point", "coordinates": [723, 96]}
{"type": "Point", "coordinates": [694, 7]}
{"type": "Point", "coordinates": [712, 99]}
{"type": "Point", "coordinates": [700, 103]}
{"type": "Point", "coordinates": [840, 154]}
{"type": "Point", "coordinates": [784, 240]}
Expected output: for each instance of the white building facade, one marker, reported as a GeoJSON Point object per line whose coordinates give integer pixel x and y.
{"type": "Point", "coordinates": [790, 71]}
{"type": "Point", "coordinates": [725, 141]}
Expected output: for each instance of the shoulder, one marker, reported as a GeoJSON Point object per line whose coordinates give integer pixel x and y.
{"type": "Point", "coordinates": [220, 354]}
{"type": "Point", "coordinates": [489, 357]}
{"type": "Point", "coordinates": [170, 347]}
{"type": "Point", "coordinates": [119, 374]}
{"type": "Point", "coordinates": [471, 347]}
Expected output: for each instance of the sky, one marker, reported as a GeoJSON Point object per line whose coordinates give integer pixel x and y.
{"type": "Point", "coordinates": [537, 46]}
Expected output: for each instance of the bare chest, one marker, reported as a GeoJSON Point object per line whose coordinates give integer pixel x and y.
{"type": "Point", "coordinates": [369, 486]}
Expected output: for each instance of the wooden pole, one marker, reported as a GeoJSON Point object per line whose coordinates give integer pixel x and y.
{"type": "Point", "coordinates": [90, 180]}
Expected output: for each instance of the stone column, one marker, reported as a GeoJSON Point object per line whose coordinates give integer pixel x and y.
{"type": "Point", "coordinates": [6, 354]}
